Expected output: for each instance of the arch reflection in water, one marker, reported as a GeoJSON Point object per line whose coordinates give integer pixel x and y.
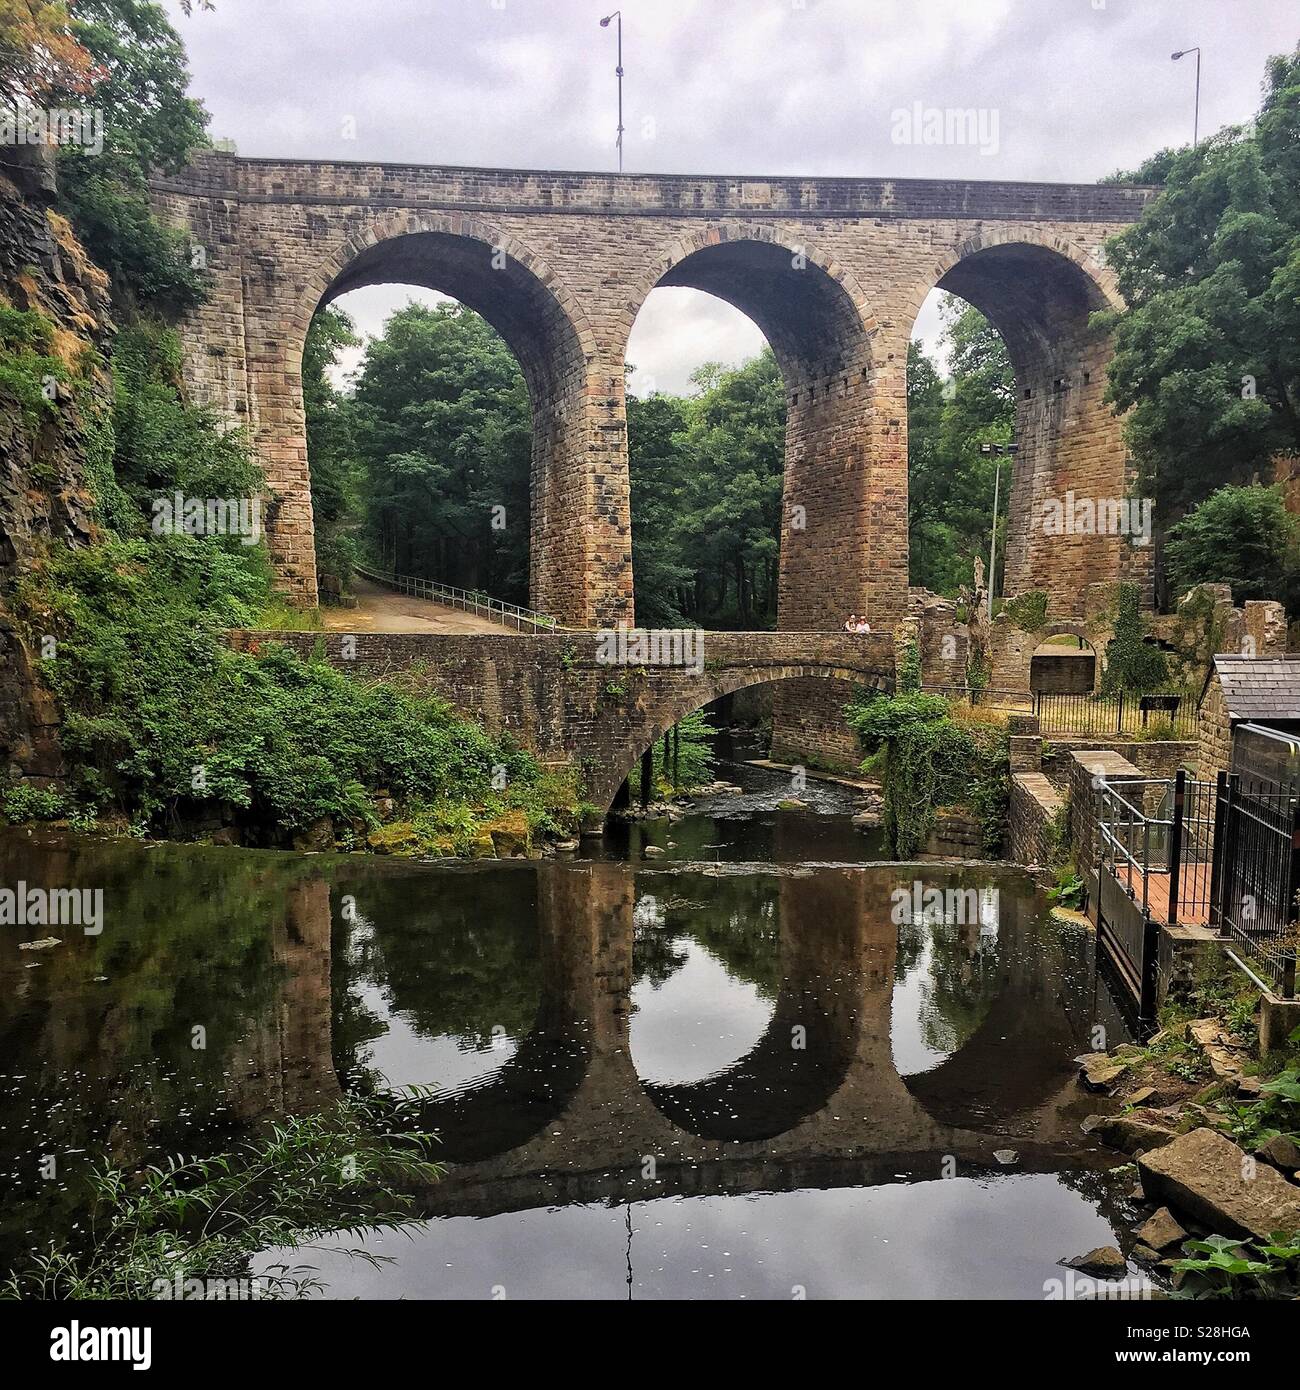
{"type": "Point", "coordinates": [298, 989]}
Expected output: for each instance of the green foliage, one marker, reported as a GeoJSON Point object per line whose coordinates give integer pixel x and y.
{"type": "Point", "coordinates": [706, 477]}
{"type": "Point", "coordinates": [440, 424]}
{"type": "Point", "coordinates": [950, 483]}
{"type": "Point", "coordinates": [1242, 536]}
{"type": "Point", "coordinates": [1222, 1267]}
{"type": "Point", "coordinates": [139, 82]}
{"type": "Point", "coordinates": [312, 1176]}
{"type": "Point", "coordinates": [1068, 890]}
{"type": "Point", "coordinates": [1028, 610]}
{"type": "Point", "coordinates": [337, 479]}
{"type": "Point", "coordinates": [23, 803]}
{"type": "Point", "coordinates": [933, 761]}
{"type": "Point", "coordinates": [159, 442]}
{"type": "Point", "coordinates": [27, 363]}
{"type": "Point", "coordinates": [694, 754]}
{"type": "Point", "coordinates": [1207, 362]}
{"type": "Point", "coordinates": [150, 692]}
{"type": "Point", "coordinates": [908, 677]}
{"type": "Point", "coordinates": [1133, 665]}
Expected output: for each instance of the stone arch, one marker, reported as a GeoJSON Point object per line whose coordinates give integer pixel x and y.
{"type": "Point", "coordinates": [642, 734]}
{"type": "Point", "coordinates": [817, 319]}
{"type": "Point", "coordinates": [1059, 669]}
{"type": "Point", "coordinates": [1040, 291]}
{"type": "Point", "coordinates": [834, 558]}
{"type": "Point", "coordinates": [546, 327]}
{"type": "Point", "coordinates": [728, 273]}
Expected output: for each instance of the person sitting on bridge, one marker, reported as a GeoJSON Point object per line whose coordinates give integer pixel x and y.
{"type": "Point", "coordinates": [862, 628]}
{"type": "Point", "coordinates": [851, 623]}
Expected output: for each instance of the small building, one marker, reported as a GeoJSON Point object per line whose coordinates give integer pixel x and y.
{"type": "Point", "coordinates": [1249, 719]}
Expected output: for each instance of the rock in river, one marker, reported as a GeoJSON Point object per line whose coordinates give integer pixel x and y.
{"type": "Point", "coordinates": [1212, 1180]}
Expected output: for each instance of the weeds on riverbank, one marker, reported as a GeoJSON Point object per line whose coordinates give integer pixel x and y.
{"type": "Point", "coordinates": [927, 759]}
{"type": "Point", "coordinates": [153, 1233]}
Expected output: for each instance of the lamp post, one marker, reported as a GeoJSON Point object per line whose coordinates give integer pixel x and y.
{"type": "Point", "coordinates": [997, 450]}
{"type": "Point", "coordinates": [1196, 119]}
{"type": "Point", "coordinates": [618, 72]}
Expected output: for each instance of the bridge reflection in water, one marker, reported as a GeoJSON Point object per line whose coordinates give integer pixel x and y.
{"type": "Point", "coordinates": [558, 1008]}
{"type": "Point", "coordinates": [819, 1099]}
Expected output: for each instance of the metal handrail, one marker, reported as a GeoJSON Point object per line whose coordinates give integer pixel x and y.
{"type": "Point", "coordinates": [468, 600]}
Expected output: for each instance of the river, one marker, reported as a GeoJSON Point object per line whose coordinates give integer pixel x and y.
{"type": "Point", "coordinates": [745, 1068]}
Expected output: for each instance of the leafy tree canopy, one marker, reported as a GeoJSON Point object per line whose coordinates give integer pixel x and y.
{"type": "Point", "coordinates": [1207, 353]}
{"type": "Point", "coordinates": [1243, 536]}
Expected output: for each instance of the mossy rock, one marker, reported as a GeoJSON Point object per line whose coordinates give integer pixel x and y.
{"type": "Point", "coordinates": [398, 838]}
{"type": "Point", "coordinates": [508, 835]}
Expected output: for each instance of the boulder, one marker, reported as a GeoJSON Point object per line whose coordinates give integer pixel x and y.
{"type": "Point", "coordinates": [1105, 1262]}
{"type": "Point", "coordinates": [1282, 1152]}
{"type": "Point", "coordinates": [318, 836]}
{"type": "Point", "coordinates": [1126, 1133]}
{"type": "Point", "coordinates": [1205, 1175]}
{"type": "Point", "coordinates": [509, 835]}
{"type": "Point", "coordinates": [1098, 1071]}
{"type": "Point", "coordinates": [1162, 1231]}
{"type": "Point", "coordinates": [1225, 1059]}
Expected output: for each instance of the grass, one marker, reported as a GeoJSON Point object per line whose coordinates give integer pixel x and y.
{"type": "Point", "coordinates": [311, 1178]}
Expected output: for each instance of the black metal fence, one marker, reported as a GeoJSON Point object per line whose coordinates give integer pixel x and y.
{"type": "Point", "coordinates": [1257, 876]}
{"type": "Point", "coordinates": [1224, 855]}
{"type": "Point", "coordinates": [1173, 715]}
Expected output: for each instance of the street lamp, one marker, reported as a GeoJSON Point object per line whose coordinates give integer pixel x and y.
{"type": "Point", "coordinates": [618, 72]}
{"type": "Point", "coordinates": [998, 450]}
{"type": "Point", "coordinates": [1196, 119]}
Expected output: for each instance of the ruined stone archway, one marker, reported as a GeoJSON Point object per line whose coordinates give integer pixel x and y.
{"type": "Point", "coordinates": [1040, 293]}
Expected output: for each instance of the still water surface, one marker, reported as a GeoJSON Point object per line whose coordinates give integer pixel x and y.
{"type": "Point", "coordinates": [727, 1072]}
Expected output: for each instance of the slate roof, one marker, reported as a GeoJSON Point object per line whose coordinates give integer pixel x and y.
{"type": "Point", "coordinates": [1264, 689]}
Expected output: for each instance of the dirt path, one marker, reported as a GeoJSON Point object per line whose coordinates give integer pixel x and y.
{"type": "Point", "coordinates": [381, 610]}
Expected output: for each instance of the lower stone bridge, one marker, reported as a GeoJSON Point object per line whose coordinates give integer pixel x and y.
{"type": "Point", "coordinates": [594, 699]}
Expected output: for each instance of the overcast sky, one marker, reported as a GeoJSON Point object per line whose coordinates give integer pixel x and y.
{"type": "Point", "coordinates": [1079, 88]}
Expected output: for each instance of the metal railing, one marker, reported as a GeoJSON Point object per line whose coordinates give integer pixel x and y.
{"type": "Point", "coordinates": [1253, 900]}
{"type": "Point", "coordinates": [1115, 714]}
{"type": "Point", "coordinates": [468, 600]}
{"type": "Point", "coordinates": [1221, 855]}
{"type": "Point", "coordinates": [1095, 715]}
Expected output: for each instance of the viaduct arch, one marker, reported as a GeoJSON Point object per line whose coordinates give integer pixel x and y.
{"type": "Point", "coordinates": [832, 270]}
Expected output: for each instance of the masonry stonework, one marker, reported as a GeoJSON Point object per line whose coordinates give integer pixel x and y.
{"type": "Point", "coordinates": [833, 271]}
{"type": "Point", "coordinates": [556, 697]}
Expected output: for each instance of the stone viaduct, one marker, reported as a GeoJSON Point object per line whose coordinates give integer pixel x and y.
{"type": "Point", "coordinates": [557, 697]}
{"type": "Point", "coordinates": [833, 271]}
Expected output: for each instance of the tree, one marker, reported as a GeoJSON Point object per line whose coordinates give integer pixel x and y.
{"type": "Point", "coordinates": [731, 494]}
{"type": "Point", "coordinates": [139, 82]}
{"type": "Point", "coordinates": [441, 423]}
{"type": "Point", "coordinates": [39, 54]}
{"type": "Point", "coordinates": [658, 455]}
{"type": "Point", "coordinates": [1207, 352]}
{"type": "Point", "coordinates": [950, 483]}
{"type": "Point", "coordinates": [336, 477]}
{"type": "Point", "coordinates": [1242, 536]}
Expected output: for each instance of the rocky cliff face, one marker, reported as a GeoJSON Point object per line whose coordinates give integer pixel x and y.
{"type": "Point", "coordinates": [43, 491]}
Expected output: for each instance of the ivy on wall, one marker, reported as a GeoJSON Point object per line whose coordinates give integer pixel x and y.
{"type": "Point", "coordinates": [930, 760]}
{"type": "Point", "coordinates": [1133, 665]}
